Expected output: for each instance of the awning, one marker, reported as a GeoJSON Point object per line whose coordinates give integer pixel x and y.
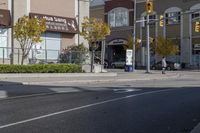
{"type": "Point", "coordinates": [5, 18]}
{"type": "Point", "coordinates": [58, 24]}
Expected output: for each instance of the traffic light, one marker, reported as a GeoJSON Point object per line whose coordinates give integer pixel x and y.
{"type": "Point", "coordinates": [149, 7]}
{"type": "Point", "coordinates": [161, 20]}
{"type": "Point", "coordinates": [197, 26]}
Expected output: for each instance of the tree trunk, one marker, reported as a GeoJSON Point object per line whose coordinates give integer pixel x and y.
{"type": "Point", "coordinates": [92, 61]}
{"type": "Point", "coordinates": [23, 58]}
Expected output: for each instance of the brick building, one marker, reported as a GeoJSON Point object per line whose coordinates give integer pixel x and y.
{"type": "Point", "coordinates": [179, 28]}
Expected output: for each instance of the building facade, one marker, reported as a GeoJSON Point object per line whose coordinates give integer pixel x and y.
{"type": "Point", "coordinates": [63, 19]}
{"type": "Point", "coordinates": [179, 25]}
{"type": "Point", "coordinates": [181, 16]}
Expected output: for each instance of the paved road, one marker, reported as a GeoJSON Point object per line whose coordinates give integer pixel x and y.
{"type": "Point", "coordinates": [122, 109]}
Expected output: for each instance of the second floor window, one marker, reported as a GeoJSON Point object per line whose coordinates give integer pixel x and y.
{"type": "Point", "coordinates": [173, 18]}
{"type": "Point", "coordinates": [118, 17]}
{"type": "Point", "coordinates": [196, 15]}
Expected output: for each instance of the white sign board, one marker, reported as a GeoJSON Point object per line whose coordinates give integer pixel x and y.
{"type": "Point", "coordinates": [129, 57]}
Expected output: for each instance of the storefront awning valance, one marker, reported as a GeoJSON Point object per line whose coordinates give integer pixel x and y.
{"type": "Point", "coordinates": [58, 24]}
{"type": "Point", "coordinates": [5, 18]}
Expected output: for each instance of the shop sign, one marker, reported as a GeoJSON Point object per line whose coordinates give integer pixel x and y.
{"type": "Point", "coordinates": [118, 42]}
{"type": "Point", "coordinates": [58, 24]}
{"type": "Point", "coordinates": [129, 57]}
{"type": "Point", "coordinates": [5, 18]}
{"type": "Point", "coordinates": [196, 46]}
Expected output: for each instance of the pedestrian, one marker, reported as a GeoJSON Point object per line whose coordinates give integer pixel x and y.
{"type": "Point", "coordinates": [164, 65]}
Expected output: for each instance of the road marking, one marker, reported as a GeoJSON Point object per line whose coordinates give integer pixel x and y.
{"type": "Point", "coordinates": [125, 90]}
{"type": "Point", "coordinates": [81, 107]}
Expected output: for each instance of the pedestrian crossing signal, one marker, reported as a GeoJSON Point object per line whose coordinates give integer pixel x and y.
{"type": "Point", "coordinates": [197, 26]}
{"type": "Point", "coordinates": [149, 7]}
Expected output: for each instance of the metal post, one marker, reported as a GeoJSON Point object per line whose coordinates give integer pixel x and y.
{"type": "Point", "coordinates": [148, 48]}
{"type": "Point", "coordinates": [134, 34]}
{"type": "Point", "coordinates": [12, 33]}
{"type": "Point", "coordinates": [79, 21]}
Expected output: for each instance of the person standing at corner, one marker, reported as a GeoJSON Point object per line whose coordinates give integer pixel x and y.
{"type": "Point", "coordinates": [164, 65]}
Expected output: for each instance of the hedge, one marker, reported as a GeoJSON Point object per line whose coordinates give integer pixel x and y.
{"type": "Point", "coordinates": [41, 68]}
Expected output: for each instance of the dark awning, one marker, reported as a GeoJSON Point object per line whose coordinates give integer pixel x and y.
{"type": "Point", "coordinates": [5, 18]}
{"type": "Point", "coordinates": [58, 24]}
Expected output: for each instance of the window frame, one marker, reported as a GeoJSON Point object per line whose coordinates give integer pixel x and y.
{"type": "Point", "coordinates": [170, 21]}
{"type": "Point", "coordinates": [116, 11]}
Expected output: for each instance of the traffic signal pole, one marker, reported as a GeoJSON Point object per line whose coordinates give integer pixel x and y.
{"type": "Point", "coordinates": [148, 47]}
{"type": "Point", "coordinates": [134, 35]}
{"type": "Point", "coordinates": [149, 11]}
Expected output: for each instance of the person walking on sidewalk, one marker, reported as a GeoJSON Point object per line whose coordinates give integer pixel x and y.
{"type": "Point", "coordinates": [164, 65]}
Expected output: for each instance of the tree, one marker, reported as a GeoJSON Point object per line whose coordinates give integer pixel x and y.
{"type": "Point", "coordinates": [164, 47]}
{"type": "Point", "coordinates": [27, 31]}
{"type": "Point", "coordinates": [94, 31]}
{"type": "Point", "coordinates": [129, 44]}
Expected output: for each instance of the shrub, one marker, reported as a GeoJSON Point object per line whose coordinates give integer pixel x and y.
{"type": "Point", "coordinates": [41, 68]}
{"type": "Point", "coordinates": [74, 54]}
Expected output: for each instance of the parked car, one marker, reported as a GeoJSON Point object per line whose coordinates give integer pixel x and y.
{"type": "Point", "coordinates": [170, 66]}
{"type": "Point", "coordinates": [118, 64]}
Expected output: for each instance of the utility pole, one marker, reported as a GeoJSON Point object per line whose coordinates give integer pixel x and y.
{"type": "Point", "coordinates": [134, 34]}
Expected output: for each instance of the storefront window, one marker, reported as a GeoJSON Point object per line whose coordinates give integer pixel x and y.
{"type": "Point", "coordinates": [48, 50]}
{"type": "Point", "coordinates": [173, 18]}
{"type": "Point", "coordinates": [118, 17]}
{"type": "Point", "coordinates": [3, 43]}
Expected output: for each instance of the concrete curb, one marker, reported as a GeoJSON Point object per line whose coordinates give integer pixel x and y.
{"type": "Point", "coordinates": [54, 75]}
{"type": "Point", "coordinates": [104, 80]}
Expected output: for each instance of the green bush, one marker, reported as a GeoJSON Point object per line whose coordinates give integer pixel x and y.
{"type": "Point", "coordinates": [41, 68]}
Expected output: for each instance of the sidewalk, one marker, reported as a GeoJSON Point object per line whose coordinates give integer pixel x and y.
{"type": "Point", "coordinates": [82, 78]}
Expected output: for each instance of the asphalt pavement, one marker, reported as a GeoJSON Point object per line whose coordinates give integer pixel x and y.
{"type": "Point", "coordinates": [115, 102]}
{"type": "Point", "coordinates": [116, 110]}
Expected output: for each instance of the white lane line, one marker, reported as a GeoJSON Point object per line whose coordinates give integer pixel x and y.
{"type": "Point", "coordinates": [125, 90]}
{"type": "Point", "coordinates": [78, 108]}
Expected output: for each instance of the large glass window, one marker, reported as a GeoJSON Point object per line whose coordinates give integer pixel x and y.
{"type": "Point", "coordinates": [118, 17]}
{"type": "Point", "coordinates": [3, 43]}
{"type": "Point", "coordinates": [48, 49]}
{"type": "Point", "coordinates": [173, 18]}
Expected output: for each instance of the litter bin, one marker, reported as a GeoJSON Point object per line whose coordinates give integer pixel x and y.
{"type": "Point", "coordinates": [128, 68]}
